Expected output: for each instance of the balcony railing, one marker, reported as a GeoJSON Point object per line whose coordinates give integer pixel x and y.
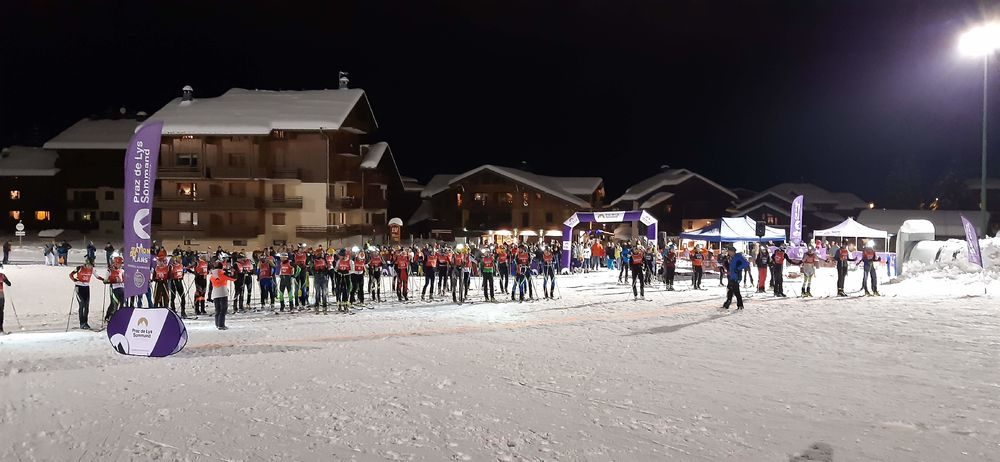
{"type": "Point", "coordinates": [343, 203]}
{"type": "Point", "coordinates": [285, 173]}
{"type": "Point", "coordinates": [223, 203]}
{"type": "Point", "coordinates": [335, 230]}
{"type": "Point", "coordinates": [88, 204]}
{"type": "Point", "coordinates": [204, 230]}
{"type": "Point", "coordinates": [286, 202]}
{"type": "Point", "coordinates": [179, 172]}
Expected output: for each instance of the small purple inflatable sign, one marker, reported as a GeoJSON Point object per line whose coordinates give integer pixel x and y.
{"type": "Point", "coordinates": [155, 332]}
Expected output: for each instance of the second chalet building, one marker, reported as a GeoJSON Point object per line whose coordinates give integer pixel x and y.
{"type": "Point", "coordinates": [259, 168]}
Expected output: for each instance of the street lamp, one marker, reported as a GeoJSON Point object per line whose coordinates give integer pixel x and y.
{"type": "Point", "coordinates": [982, 41]}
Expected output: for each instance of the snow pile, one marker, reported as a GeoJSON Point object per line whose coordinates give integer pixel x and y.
{"type": "Point", "coordinates": [955, 273]}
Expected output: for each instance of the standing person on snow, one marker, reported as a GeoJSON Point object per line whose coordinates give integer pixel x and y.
{"type": "Point", "coordinates": [286, 272]}
{"type": "Point", "coordinates": [669, 266]}
{"type": "Point", "coordinates": [737, 264]}
{"type": "Point", "coordinates": [200, 285]}
{"type": "Point", "coordinates": [503, 271]}
{"type": "Point", "coordinates": [375, 277]}
{"type": "Point", "coordinates": [92, 252]}
{"type": "Point", "coordinates": [486, 265]}
{"type": "Point", "coordinates": [81, 279]}
{"type": "Point", "coordinates": [697, 266]}
{"type": "Point", "coordinates": [808, 267]}
{"type": "Point", "coordinates": [265, 277]}
{"type": "Point", "coordinates": [636, 267]}
{"type": "Point", "coordinates": [549, 273]}
{"type": "Point", "coordinates": [161, 277]}
{"type": "Point", "coordinates": [177, 286]}
{"type": "Point", "coordinates": [430, 271]}
{"type": "Point", "coordinates": [625, 261]}
{"type": "Point", "coordinates": [220, 280]}
{"type": "Point", "coordinates": [723, 264]}
{"type": "Point", "coordinates": [108, 251]}
{"type": "Point", "coordinates": [3, 282]}
{"type": "Point", "coordinates": [842, 255]}
{"type": "Point", "coordinates": [358, 279]}
{"type": "Point", "coordinates": [763, 262]}
{"type": "Point", "coordinates": [116, 278]}
{"type": "Point", "coordinates": [777, 270]}
{"type": "Point", "coordinates": [49, 253]}
{"type": "Point", "coordinates": [868, 258]}
{"type": "Point", "coordinates": [6, 252]}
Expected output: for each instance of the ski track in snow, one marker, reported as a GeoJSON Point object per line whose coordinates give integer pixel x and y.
{"type": "Point", "coordinates": [592, 376]}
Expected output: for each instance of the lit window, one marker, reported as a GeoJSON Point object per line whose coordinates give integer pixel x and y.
{"type": "Point", "coordinates": [458, 199]}
{"type": "Point", "coordinates": [15, 195]}
{"type": "Point", "coordinates": [188, 218]}
{"type": "Point", "coordinates": [86, 216]}
{"type": "Point", "coordinates": [510, 198]}
{"type": "Point", "coordinates": [770, 219]}
{"type": "Point", "coordinates": [482, 198]}
{"type": "Point", "coordinates": [15, 214]}
{"type": "Point", "coordinates": [43, 215]}
{"type": "Point", "coordinates": [538, 196]}
{"type": "Point", "coordinates": [278, 134]}
{"type": "Point", "coordinates": [278, 219]}
{"type": "Point", "coordinates": [187, 189]}
{"type": "Point", "coordinates": [670, 208]}
{"type": "Point", "coordinates": [524, 199]}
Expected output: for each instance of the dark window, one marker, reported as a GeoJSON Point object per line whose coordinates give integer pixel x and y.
{"type": "Point", "coordinates": [187, 160]}
{"type": "Point", "coordinates": [278, 219]}
{"type": "Point", "coordinates": [109, 195]}
{"type": "Point", "coordinates": [549, 218]}
{"type": "Point", "coordinates": [237, 159]}
{"type": "Point", "coordinates": [525, 219]}
{"type": "Point", "coordinates": [240, 243]}
{"type": "Point", "coordinates": [279, 242]}
{"type": "Point", "coordinates": [110, 216]}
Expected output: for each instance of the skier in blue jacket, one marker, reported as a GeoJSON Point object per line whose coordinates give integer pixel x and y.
{"type": "Point", "coordinates": [737, 263]}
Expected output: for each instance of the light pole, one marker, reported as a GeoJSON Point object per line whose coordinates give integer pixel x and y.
{"type": "Point", "coordinates": [982, 41]}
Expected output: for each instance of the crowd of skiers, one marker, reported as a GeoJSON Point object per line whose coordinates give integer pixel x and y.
{"type": "Point", "coordinates": [293, 278]}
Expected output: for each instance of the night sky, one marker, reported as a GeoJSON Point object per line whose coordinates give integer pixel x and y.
{"type": "Point", "coordinates": [750, 93]}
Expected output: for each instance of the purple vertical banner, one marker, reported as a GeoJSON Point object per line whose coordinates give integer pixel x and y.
{"type": "Point", "coordinates": [972, 243]}
{"type": "Point", "coordinates": [140, 181]}
{"type": "Point", "coordinates": [795, 228]}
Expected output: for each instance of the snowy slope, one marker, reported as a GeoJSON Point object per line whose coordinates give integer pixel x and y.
{"type": "Point", "coordinates": [593, 376]}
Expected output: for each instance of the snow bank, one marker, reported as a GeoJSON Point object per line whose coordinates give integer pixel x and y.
{"type": "Point", "coordinates": [955, 275]}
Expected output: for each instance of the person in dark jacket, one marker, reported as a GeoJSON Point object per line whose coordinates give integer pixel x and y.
{"type": "Point", "coordinates": [92, 252]}
{"type": "Point", "coordinates": [6, 252]}
{"type": "Point", "coordinates": [763, 262]}
{"type": "Point", "coordinates": [737, 264]}
{"type": "Point", "coordinates": [108, 251]}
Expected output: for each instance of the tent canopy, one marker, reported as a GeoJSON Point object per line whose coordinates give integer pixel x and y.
{"type": "Point", "coordinates": [739, 229]}
{"type": "Point", "coordinates": [851, 228]}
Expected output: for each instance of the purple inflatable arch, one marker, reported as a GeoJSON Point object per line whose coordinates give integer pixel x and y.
{"type": "Point", "coordinates": [604, 217]}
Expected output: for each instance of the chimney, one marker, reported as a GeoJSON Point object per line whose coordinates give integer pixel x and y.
{"type": "Point", "coordinates": [187, 93]}
{"type": "Point", "coordinates": [343, 80]}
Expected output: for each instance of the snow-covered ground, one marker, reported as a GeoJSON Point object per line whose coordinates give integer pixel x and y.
{"type": "Point", "coordinates": [595, 376]}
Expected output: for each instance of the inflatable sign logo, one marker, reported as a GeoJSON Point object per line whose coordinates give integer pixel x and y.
{"type": "Point", "coordinates": [153, 332]}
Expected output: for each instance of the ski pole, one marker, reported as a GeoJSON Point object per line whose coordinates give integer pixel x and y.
{"type": "Point", "coordinates": [15, 314]}
{"type": "Point", "coordinates": [70, 314]}
{"type": "Point", "coordinates": [104, 294]}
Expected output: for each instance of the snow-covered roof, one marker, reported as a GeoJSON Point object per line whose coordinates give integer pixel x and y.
{"type": "Point", "coordinates": [424, 212]}
{"type": "Point", "coordinates": [656, 199]}
{"type": "Point", "coordinates": [813, 195]}
{"type": "Point", "coordinates": [95, 134]}
{"type": "Point", "coordinates": [408, 179]}
{"type": "Point", "coordinates": [27, 161]}
{"type": "Point", "coordinates": [947, 223]}
{"type": "Point", "coordinates": [437, 184]}
{"type": "Point", "coordinates": [257, 112]}
{"type": "Point", "coordinates": [372, 158]}
{"type": "Point", "coordinates": [669, 177]}
{"type": "Point", "coordinates": [565, 188]}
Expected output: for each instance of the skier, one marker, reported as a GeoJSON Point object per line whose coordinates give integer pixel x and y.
{"type": "Point", "coordinates": [161, 277]}
{"type": "Point", "coordinates": [342, 268]}
{"type": "Point", "coordinates": [243, 273]}
{"type": "Point", "coordinates": [443, 268]}
{"type": "Point", "coordinates": [808, 267]}
{"type": "Point", "coordinates": [116, 278]}
{"type": "Point", "coordinates": [723, 264]}
{"type": "Point", "coordinates": [358, 279]}
{"type": "Point", "coordinates": [625, 262]}
{"type": "Point", "coordinates": [177, 286]}
{"type": "Point", "coordinates": [430, 271]}
{"type": "Point", "coordinates": [265, 277]}
{"type": "Point", "coordinates": [868, 258]}
{"type": "Point", "coordinates": [486, 265]}
{"type": "Point", "coordinates": [697, 266]}
{"type": "Point", "coordinates": [81, 279]}
{"type": "Point", "coordinates": [320, 276]}
{"type": "Point", "coordinates": [777, 270]}
{"type": "Point", "coordinates": [503, 270]}
{"type": "Point", "coordinates": [649, 262]}
{"type": "Point", "coordinates": [200, 284]}
{"type": "Point", "coordinates": [3, 281]}
{"type": "Point", "coordinates": [635, 264]}
{"type": "Point", "coordinates": [842, 256]}
{"type": "Point", "coordinates": [763, 262]}
{"type": "Point", "coordinates": [402, 276]}
{"type": "Point", "coordinates": [457, 284]}
{"type": "Point", "coordinates": [669, 266]}
{"type": "Point", "coordinates": [375, 277]}
{"type": "Point", "coordinates": [220, 280]}
{"type": "Point", "coordinates": [737, 264]}
{"type": "Point", "coordinates": [749, 274]}
{"type": "Point", "coordinates": [285, 273]}
{"type": "Point", "coordinates": [523, 261]}
{"type": "Point", "coordinates": [548, 274]}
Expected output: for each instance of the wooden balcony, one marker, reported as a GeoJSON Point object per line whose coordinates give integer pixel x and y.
{"type": "Point", "coordinates": [286, 202]}
{"type": "Point", "coordinates": [335, 231]}
{"type": "Point", "coordinates": [285, 173]}
{"type": "Point", "coordinates": [179, 172]}
{"type": "Point", "coordinates": [343, 203]}
{"type": "Point", "coordinates": [202, 230]}
{"type": "Point", "coordinates": [220, 203]}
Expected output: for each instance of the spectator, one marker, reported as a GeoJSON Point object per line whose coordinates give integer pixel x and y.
{"type": "Point", "coordinates": [108, 250]}
{"type": "Point", "coordinates": [6, 252]}
{"type": "Point", "coordinates": [92, 252]}
{"type": "Point", "coordinates": [63, 253]}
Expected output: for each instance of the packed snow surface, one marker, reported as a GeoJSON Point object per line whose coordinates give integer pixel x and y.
{"type": "Point", "coordinates": [910, 376]}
